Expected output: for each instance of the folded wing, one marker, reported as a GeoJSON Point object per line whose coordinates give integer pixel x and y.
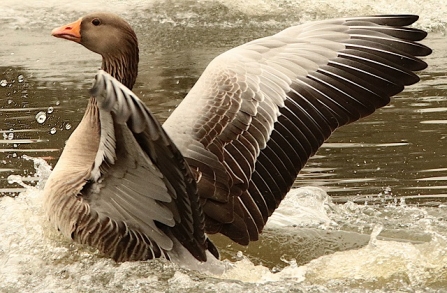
{"type": "Point", "coordinates": [140, 183]}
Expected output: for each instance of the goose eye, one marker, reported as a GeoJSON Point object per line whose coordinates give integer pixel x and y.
{"type": "Point", "coordinates": [96, 22]}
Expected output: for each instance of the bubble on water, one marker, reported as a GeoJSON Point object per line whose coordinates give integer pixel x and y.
{"type": "Point", "coordinates": [41, 117]}
{"type": "Point", "coordinates": [20, 78]}
{"type": "Point", "coordinates": [68, 126]}
{"type": "Point", "coordinates": [11, 135]}
{"type": "Point", "coordinates": [50, 110]}
{"type": "Point", "coordinates": [3, 83]}
{"type": "Point", "coordinates": [53, 130]}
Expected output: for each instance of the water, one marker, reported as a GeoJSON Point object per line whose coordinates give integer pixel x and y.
{"type": "Point", "coordinates": [385, 175]}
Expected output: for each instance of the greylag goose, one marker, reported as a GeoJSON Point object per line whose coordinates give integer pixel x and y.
{"type": "Point", "coordinates": [230, 152]}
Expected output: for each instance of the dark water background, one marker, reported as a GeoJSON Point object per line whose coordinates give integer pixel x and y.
{"type": "Point", "coordinates": [398, 151]}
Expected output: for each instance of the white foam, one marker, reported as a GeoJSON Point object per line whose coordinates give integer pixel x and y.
{"type": "Point", "coordinates": [36, 258]}
{"type": "Point", "coordinates": [302, 207]}
{"type": "Point", "coordinates": [35, 14]}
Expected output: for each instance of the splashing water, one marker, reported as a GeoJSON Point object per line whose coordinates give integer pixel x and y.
{"type": "Point", "coordinates": [36, 258]}
{"type": "Point", "coordinates": [349, 247]}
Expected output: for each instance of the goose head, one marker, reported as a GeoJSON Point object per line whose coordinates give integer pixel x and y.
{"type": "Point", "coordinates": [110, 36]}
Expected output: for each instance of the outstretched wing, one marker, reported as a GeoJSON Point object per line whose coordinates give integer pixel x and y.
{"type": "Point", "coordinates": [140, 181]}
{"type": "Point", "coordinates": [259, 111]}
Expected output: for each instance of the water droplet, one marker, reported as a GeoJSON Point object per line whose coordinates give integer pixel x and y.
{"type": "Point", "coordinates": [68, 126]}
{"type": "Point", "coordinates": [50, 110]}
{"type": "Point", "coordinates": [58, 103]}
{"type": "Point", "coordinates": [14, 179]}
{"type": "Point", "coordinates": [41, 117]}
{"type": "Point", "coordinates": [53, 130]}
{"type": "Point", "coordinates": [20, 78]}
{"type": "Point", "coordinates": [11, 135]}
{"type": "Point", "coordinates": [3, 83]}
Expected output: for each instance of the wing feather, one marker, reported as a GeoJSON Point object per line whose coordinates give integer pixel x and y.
{"type": "Point", "coordinates": [125, 218]}
{"type": "Point", "coordinates": [276, 100]}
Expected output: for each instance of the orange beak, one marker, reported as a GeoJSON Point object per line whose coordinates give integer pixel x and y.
{"type": "Point", "coordinates": [70, 31]}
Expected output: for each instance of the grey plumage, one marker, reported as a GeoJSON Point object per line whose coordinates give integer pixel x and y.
{"type": "Point", "coordinates": [230, 152]}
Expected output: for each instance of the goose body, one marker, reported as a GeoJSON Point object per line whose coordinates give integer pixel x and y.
{"type": "Point", "coordinates": [230, 152]}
